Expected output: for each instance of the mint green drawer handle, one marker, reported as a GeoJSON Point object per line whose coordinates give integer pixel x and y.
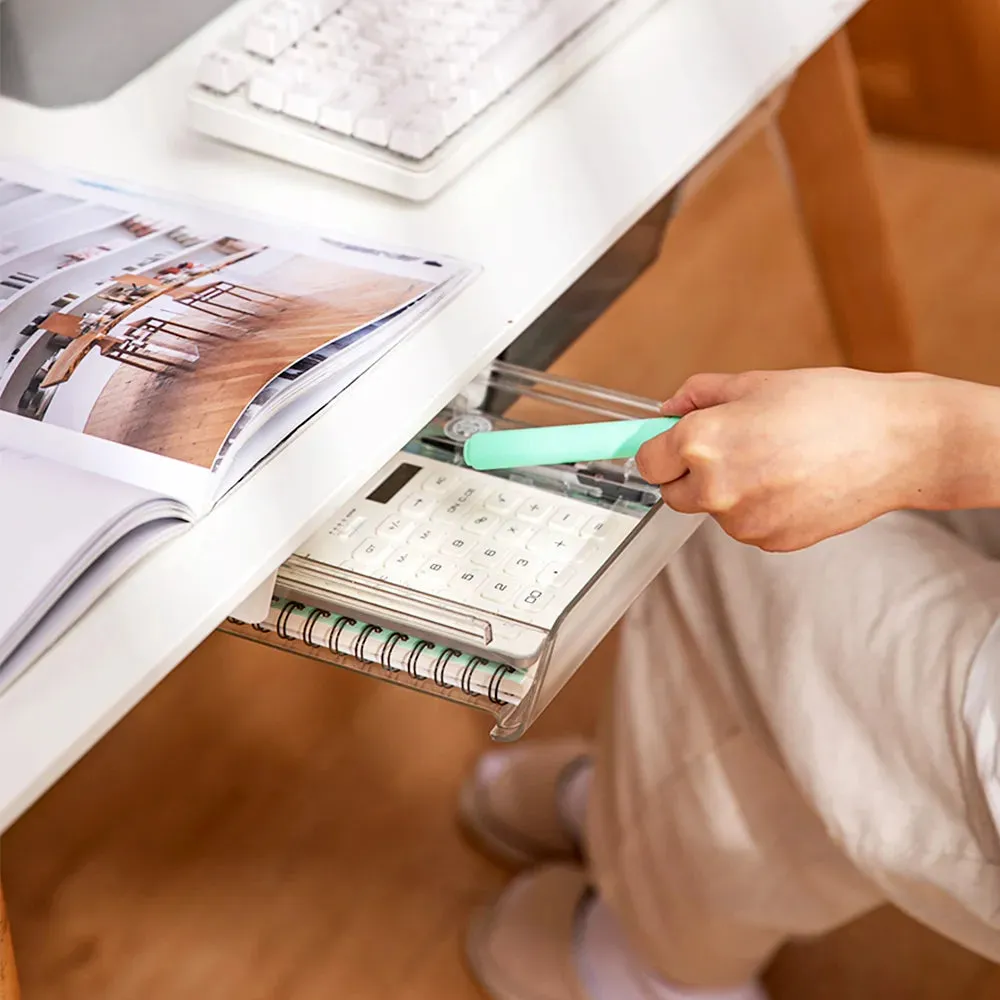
{"type": "Point", "coordinates": [562, 445]}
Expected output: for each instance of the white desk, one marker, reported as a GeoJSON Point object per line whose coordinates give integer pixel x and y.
{"type": "Point", "coordinates": [535, 214]}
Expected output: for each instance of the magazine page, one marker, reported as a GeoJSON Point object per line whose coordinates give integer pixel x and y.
{"type": "Point", "coordinates": [159, 329]}
{"type": "Point", "coordinates": [82, 593]}
{"type": "Point", "coordinates": [262, 428]}
{"type": "Point", "coordinates": [67, 521]}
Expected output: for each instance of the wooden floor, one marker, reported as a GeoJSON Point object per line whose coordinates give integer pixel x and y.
{"type": "Point", "coordinates": [262, 827]}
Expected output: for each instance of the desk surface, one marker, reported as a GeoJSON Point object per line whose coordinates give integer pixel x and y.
{"type": "Point", "coordinates": [536, 214]}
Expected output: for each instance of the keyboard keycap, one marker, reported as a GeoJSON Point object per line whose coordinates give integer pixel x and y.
{"type": "Point", "coordinates": [306, 102]}
{"type": "Point", "coordinates": [489, 556]}
{"type": "Point", "coordinates": [535, 511]}
{"type": "Point", "coordinates": [503, 502]}
{"type": "Point", "coordinates": [458, 545]}
{"type": "Point", "coordinates": [428, 536]}
{"type": "Point", "coordinates": [224, 71]}
{"type": "Point", "coordinates": [458, 505]}
{"type": "Point", "coordinates": [402, 565]}
{"type": "Point", "coordinates": [436, 573]}
{"type": "Point", "coordinates": [514, 534]}
{"type": "Point", "coordinates": [272, 31]}
{"type": "Point", "coordinates": [469, 580]}
{"type": "Point", "coordinates": [314, 11]}
{"type": "Point", "coordinates": [395, 528]}
{"type": "Point", "coordinates": [365, 8]}
{"type": "Point", "coordinates": [454, 110]}
{"type": "Point", "coordinates": [372, 553]}
{"type": "Point", "coordinates": [375, 125]}
{"type": "Point", "coordinates": [556, 574]}
{"type": "Point", "coordinates": [568, 520]}
{"type": "Point", "coordinates": [418, 506]}
{"type": "Point", "coordinates": [555, 546]}
{"type": "Point", "coordinates": [534, 599]}
{"type": "Point", "coordinates": [341, 114]}
{"type": "Point", "coordinates": [267, 89]}
{"type": "Point", "coordinates": [598, 528]}
{"type": "Point", "coordinates": [480, 522]}
{"type": "Point", "coordinates": [419, 136]}
{"type": "Point", "coordinates": [523, 567]}
{"type": "Point", "coordinates": [499, 591]}
{"type": "Point", "coordinates": [439, 482]}
{"type": "Point", "coordinates": [338, 31]}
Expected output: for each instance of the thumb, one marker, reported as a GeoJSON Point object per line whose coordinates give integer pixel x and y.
{"type": "Point", "coordinates": [702, 391]}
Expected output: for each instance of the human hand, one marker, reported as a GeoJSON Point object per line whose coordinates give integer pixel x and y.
{"type": "Point", "coordinates": [785, 459]}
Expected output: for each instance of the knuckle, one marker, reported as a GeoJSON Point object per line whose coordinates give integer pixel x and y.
{"type": "Point", "coordinates": [717, 499]}
{"type": "Point", "coordinates": [708, 495]}
{"type": "Point", "coordinates": [699, 440]}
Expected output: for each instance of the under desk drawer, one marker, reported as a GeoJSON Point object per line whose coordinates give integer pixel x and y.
{"type": "Point", "coordinates": [488, 589]}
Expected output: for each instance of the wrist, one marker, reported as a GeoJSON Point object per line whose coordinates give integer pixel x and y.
{"type": "Point", "coordinates": [951, 459]}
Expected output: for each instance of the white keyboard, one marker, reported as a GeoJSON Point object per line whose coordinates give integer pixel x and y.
{"type": "Point", "coordinates": [445, 530]}
{"type": "Point", "coordinates": [398, 95]}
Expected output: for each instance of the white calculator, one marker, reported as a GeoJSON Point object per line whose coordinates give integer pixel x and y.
{"type": "Point", "coordinates": [505, 548]}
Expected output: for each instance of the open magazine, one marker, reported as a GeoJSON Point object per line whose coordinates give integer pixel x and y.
{"type": "Point", "coordinates": [151, 355]}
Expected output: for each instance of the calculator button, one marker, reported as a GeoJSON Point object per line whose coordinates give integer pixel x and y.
{"type": "Point", "coordinates": [371, 553]}
{"type": "Point", "coordinates": [457, 545]}
{"type": "Point", "coordinates": [554, 546]}
{"type": "Point", "coordinates": [402, 565]}
{"type": "Point", "coordinates": [503, 502]}
{"type": "Point", "coordinates": [534, 599]}
{"type": "Point", "coordinates": [556, 575]}
{"type": "Point", "coordinates": [466, 495]}
{"type": "Point", "coordinates": [469, 579]}
{"type": "Point", "coordinates": [535, 511]}
{"type": "Point", "coordinates": [499, 590]}
{"type": "Point", "coordinates": [439, 482]}
{"type": "Point", "coordinates": [459, 504]}
{"type": "Point", "coordinates": [514, 533]}
{"type": "Point", "coordinates": [395, 528]}
{"type": "Point", "coordinates": [490, 556]}
{"type": "Point", "coordinates": [437, 572]}
{"type": "Point", "coordinates": [523, 567]}
{"type": "Point", "coordinates": [428, 536]}
{"type": "Point", "coordinates": [568, 520]}
{"type": "Point", "coordinates": [453, 511]}
{"type": "Point", "coordinates": [480, 522]}
{"type": "Point", "coordinates": [418, 507]}
{"type": "Point", "coordinates": [597, 527]}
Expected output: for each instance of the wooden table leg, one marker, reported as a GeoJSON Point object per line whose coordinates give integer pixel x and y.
{"type": "Point", "coordinates": [826, 143]}
{"type": "Point", "coordinates": [9, 988]}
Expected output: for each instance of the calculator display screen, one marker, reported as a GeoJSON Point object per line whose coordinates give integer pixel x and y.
{"type": "Point", "coordinates": [393, 483]}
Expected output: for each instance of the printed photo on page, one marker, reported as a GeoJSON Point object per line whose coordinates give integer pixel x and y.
{"type": "Point", "coordinates": [167, 335]}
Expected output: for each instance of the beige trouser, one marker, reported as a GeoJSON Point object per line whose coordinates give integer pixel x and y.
{"type": "Point", "coordinates": [785, 747]}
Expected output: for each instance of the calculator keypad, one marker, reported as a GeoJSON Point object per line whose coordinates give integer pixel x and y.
{"type": "Point", "coordinates": [461, 534]}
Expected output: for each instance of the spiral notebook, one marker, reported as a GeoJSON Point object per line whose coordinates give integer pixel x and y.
{"type": "Point", "coordinates": [316, 630]}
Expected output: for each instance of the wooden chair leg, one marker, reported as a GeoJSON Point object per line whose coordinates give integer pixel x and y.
{"type": "Point", "coordinates": [9, 988]}
{"type": "Point", "coordinates": [826, 144]}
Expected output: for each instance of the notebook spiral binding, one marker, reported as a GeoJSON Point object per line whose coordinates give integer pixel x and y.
{"type": "Point", "coordinates": [348, 641]}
